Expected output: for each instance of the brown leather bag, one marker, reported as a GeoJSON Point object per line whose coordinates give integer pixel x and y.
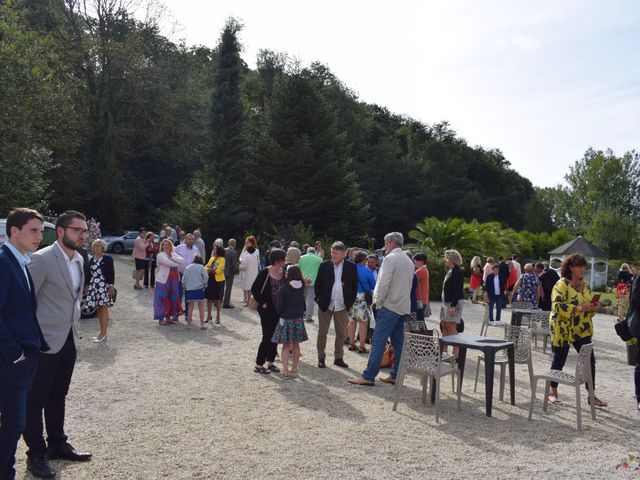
{"type": "Point", "coordinates": [387, 357]}
{"type": "Point", "coordinates": [253, 303]}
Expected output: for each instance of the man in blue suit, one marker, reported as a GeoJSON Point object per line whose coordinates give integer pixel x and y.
{"type": "Point", "coordinates": [494, 292]}
{"type": "Point", "coordinates": [21, 339]}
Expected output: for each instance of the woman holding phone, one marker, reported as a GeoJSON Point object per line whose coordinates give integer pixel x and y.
{"type": "Point", "coordinates": [571, 318]}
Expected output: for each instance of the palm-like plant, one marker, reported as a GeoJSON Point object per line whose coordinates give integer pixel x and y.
{"type": "Point", "coordinates": [435, 236]}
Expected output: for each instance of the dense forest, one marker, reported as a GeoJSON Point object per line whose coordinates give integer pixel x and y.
{"type": "Point", "coordinates": [102, 113]}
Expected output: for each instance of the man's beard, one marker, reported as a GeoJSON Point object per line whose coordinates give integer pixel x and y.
{"type": "Point", "coordinates": [66, 241]}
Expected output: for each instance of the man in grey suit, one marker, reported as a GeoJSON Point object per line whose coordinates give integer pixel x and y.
{"type": "Point", "coordinates": [230, 265]}
{"type": "Point", "coordinates": [58, 279]}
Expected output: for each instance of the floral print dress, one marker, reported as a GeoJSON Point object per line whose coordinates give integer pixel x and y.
{"type": "Point", "coordinates": [98, 294]}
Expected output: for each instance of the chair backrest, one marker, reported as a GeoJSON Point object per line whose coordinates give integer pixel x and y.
{"type": "Point", "coordinates": [521, 337]}
{"type": "Point", "coordinates": [418, 326]}
{"type": "Point", "coordinates": [522, 305]}
{"type": "Point", "coordinates": [583, 365]}
{"type": "Point", "coordinates": [421, 352]}
{"type": "Point", "coordinates": [540, 319]}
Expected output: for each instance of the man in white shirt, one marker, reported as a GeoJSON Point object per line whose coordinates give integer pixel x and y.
{"type": "Point", "coordinates": [335, 288]}
{"type": "Point", "coordinates": [188, 252]}
{"type": "Point", "coordinates": [516, 264]}
{"type": "Point", "coordinates": [58, 280]}
{"type": "Point", "coordinates": [392, 297]}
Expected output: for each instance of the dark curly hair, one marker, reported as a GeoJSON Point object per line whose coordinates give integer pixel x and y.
{"type": "Point", "coordinates": [573, 260]}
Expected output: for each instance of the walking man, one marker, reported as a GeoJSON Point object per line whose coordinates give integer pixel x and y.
{"type": "Point", "coordinates": [309, 264]}
{"type": "Point", "coordinates": [139, 255]}
{"type": "Point", "coordinates": [392, 297]}
{"type": "Point", "coordinates": [58, 279]}
{"type": "Point", "coordinates": [336, 288]}
{"type": "Point", "coordinates": [21, 339]}
{"type": "Point", "coordinates": [188, 252]}
{"type": "Point", "coordinates": [230, 265]}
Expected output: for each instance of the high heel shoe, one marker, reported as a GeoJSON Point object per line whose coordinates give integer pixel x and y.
{"type": "Point", "coordinates": [99, 340]}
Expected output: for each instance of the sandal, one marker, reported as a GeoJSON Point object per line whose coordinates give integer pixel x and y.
{"type": "Point", "coordinates": [262, 370]}
{"type": "Point", "coordinates": [362, 349]}
{"type": "Point", "coordinates": [273, 368]}
{"type": "Point", "coordinates": [352, 347]}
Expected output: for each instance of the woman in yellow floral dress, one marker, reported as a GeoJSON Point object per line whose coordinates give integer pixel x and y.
{"type": "Point", "coordinates": [571, 317]}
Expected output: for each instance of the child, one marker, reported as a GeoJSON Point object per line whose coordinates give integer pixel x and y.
{"type": "Point", "coordinates": [195, 280]}
{"type": "Point", "coordinates": [290, 330]}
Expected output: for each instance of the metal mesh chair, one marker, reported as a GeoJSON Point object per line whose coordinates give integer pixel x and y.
{"type": "Point", "coordinates": [421, 356]}
{"type": "Point", "coordinates": [484, 328]}
{"type": "Point", "coordinates": [521, 337]}
{"type": "Point", "coordinates": [583, 375]}
{"type": "Point", "coordinates": [522, 306]}
{"type": "Point", "coordinates": [540, 327]}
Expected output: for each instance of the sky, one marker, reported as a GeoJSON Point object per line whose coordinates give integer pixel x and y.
{"type": "Point", "coordinates": [540, 80]}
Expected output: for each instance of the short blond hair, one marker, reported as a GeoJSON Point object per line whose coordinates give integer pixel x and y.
{"type": "Point", "coordinates": [293, 255]}
{"type": "Point", "coordinates": [453, 256]}
{"type": "Point", "coordinates": [101, 243]}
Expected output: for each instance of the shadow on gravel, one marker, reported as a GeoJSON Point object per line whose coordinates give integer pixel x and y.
{"type": "Point", "coordinates": [305, 393]}
{"type": "Point", "coordinates": [180, 334]}
{"type": "Point", "coordinates": [98, 356]}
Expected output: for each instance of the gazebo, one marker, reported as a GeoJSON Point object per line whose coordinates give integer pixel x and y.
{"type": "Point", "coordinates": [597, 259]}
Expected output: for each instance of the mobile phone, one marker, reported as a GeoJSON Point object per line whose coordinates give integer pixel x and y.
{"type": "Point", "coordinates": [595, 299]}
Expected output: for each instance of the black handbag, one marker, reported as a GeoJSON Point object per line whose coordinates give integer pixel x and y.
{"type": "Point", "coordinates": [460, 326]}
{"type": "Point", "coordinates": [368, 297]}
{"type": "Point", "coordinates": [622, 329]}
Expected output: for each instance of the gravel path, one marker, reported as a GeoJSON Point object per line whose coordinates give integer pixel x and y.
{"type": "Point", "coordinates": [168, 402]}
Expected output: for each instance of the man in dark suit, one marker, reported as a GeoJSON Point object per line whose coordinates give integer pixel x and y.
{"type": "Point", "coordinates": [494, 292]}
{"type": "Point", "coordinates": [230, 265]}
{"type": "Point", "coordinates": [21, 339]}
{"type": "Point", "coordinates": [335, 288]}
{"type": "Point", "coordinates": [58, 279]}
{"type": "Point", "coordinates": [548, 278]}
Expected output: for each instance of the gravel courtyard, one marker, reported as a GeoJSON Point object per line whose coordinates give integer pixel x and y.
{"type": "Point", "coordinates": [175, 403]}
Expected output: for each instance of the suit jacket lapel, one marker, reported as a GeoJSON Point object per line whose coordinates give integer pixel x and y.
{"type": "Point", "coordinates": [64, 269]}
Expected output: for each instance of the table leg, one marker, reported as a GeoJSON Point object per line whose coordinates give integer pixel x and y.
{"type": "Point", "coordinates": [512, 373]}
{"type": "Point", "coordinates": [462, 358]}
{"type": "Point", "coordinates": [489, 369]}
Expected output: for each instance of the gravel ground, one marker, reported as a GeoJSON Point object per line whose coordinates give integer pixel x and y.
{"type": "Point", "coordinates": [169, 402]}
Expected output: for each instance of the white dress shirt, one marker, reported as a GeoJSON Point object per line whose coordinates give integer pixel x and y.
{"type": "Point", "coordinates": [74, 265]}
{"type": "Point", "coordinates": [23, 260]}
{"type": "Point", "coordinates": [337, 296]}
{"type": "Point", "coordinates": [496, 284]}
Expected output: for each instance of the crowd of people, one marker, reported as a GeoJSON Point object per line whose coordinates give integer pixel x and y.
{"type": "Point", "coordinates": [368, 298]}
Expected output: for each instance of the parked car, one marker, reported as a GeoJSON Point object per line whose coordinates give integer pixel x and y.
{"type": "Point", "coordinates": [121, 243]}
{"type": "Point", "coordinates": [48, 237]}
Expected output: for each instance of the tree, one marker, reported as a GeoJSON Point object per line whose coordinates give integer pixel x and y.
{"type": "Point", "coordinates": [34, 99]}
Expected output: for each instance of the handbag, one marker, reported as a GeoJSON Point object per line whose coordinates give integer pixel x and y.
{"type": "Point", "coordinates": [114, 297]}
{"type": "Point", "coordinates": [368, 297]}
{"type": "Point", "coordinates": [460, 326]}
{"type": "Point", "coordinates": [622, 329]}
{"type": "Point", "coordinates": [253, 303]}
{"type": "Point", "coordinates": [387, 357]}
{"type": "Point", "coordinates": [633, 322]}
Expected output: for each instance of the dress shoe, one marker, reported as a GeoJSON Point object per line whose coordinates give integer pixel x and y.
{"type": "Point", "coordinates": [390, 380]}
{"type": "Point", "coordinates": [67, 452]}
{"type": "Point", "coordinates": [40, 467]}
{"type": "Point", "coordinates": [321, 364]}
{"type": "Point", "coordinates": [360, 381]}
{"type": "Point", "coordinates": [338, 362]}
{"type": "Point", "coordinates": [228, 306]}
